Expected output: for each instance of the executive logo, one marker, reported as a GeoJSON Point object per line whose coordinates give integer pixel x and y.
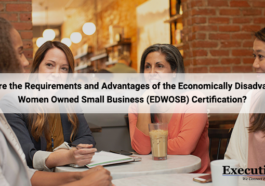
{"type": "Point", "coordinates": [231, 171]}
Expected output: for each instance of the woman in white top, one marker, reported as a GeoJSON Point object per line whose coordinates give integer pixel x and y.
{"type": "Point", "coordinates": [247, 143]}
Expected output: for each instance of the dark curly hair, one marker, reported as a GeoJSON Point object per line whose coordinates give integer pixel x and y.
{"type": "Point", "coordinates": [9, 62]}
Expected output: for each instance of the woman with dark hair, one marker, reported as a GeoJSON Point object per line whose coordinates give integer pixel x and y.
{"type": "Point", "coordinates": [187, 132]}
{"type": "Point", "coordinates": [40, 134]}
{"type": "Point", "coordinates": [10, 46]}
{"type": "Point", "coordinates": [172, 56]}
{"type": "Point", "coordinates": [13, 168]}
{"type": "Point", "coordinates": [247, 141]}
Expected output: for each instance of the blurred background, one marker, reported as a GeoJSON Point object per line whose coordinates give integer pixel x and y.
{"type": "Point", "coordinates": [212, 35]}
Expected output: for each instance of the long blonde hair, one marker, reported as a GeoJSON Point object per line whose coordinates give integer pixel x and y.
{"type": "Point", "coordinates": [38, 122]}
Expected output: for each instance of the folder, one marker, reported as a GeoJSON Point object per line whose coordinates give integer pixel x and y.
{"type": "Point", "coordinates": [108, 158]}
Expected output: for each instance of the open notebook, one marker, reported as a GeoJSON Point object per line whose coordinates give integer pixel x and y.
{"type": "Point", "coordinates": [108, 158]}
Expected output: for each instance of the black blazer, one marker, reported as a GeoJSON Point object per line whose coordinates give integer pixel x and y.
{"type": "Point", "coordinates": [19, 123]}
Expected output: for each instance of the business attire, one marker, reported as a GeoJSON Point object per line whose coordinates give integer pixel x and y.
{"type": "Point", "coordinates": [36, 151]}
{"type": "Point", "coordinates": [13, 168]}
{"type": "Point", "coordinates": [187, 134]}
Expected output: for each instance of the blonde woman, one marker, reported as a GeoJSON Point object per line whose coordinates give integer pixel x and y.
{"type": "Point", "coordinates": [39, 134]}
{"type": "Point", "coordinates": [13, 168]}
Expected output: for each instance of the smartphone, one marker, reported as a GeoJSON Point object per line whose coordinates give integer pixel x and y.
{"type": "Point", "coordinates": [203, 179]}
{"type": "Point", "coordinates": [122, 152]}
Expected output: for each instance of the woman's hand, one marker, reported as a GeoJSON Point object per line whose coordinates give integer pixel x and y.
{"type": "Point", "coordinates": [96, 176]}
{"type": "Point", "coordinates": [144, 111]}
{"type": "Point", "coordinates": [147, 93]}
{"type": "Point", "coordinates": [82, 154]}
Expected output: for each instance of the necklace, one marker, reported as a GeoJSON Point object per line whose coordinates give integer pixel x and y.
{"type": "Point", "coordinates": [53, 131]}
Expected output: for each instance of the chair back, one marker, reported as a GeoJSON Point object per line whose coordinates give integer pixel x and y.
{"type": "Point", "coordinates": [219, 134]}
{"type": "Point", "coordinates": [126, 117]}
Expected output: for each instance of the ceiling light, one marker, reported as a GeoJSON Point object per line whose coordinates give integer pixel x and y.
{"type": "Point", "coordinates": [89, 28]}
{"type": "Point", "coordinates": [40, 41]}
{"type": "Point", "coordinates": [76, 37]}
{"type": "Point", "coordinates": [49, 34]}
{"type": "Point", "coordinates": [66, 41]}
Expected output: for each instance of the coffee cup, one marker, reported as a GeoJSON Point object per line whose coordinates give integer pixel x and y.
{"type": "Point", "coordinates": [220, 172]}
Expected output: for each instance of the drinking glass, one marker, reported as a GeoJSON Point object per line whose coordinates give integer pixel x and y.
{"type": "Point", "coordinates": [158, 135]}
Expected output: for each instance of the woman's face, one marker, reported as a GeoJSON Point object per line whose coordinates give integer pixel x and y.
{"type": "Point", "coordinates": [18, 46]}
{"type": "Point", "coordinates": [155, 62]}
{"type": "Point", "coordinates": [156, 65]}
{"type": "Point", "coordinates": [56, 65]}
{"type": "Point", "coordinates": [259, 56]}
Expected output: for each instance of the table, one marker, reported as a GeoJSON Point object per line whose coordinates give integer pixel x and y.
{"type": "Point", "coordinates": [174, 180]}
{"type": "Point", "coordinates": [174, 164]}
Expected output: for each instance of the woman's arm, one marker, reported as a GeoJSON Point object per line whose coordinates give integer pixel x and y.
{"type": "Point", "coordinates": [80, 156]}
{"type": "Point", "coordinates": [139, 140]}
{"type": "Point", "coordinates": [139, 131]}
{"type": "Point", "coordinates": [95, 176]}
{"type": "Point", "coordinates": [192, 127]}
{"type": "Point", "coordinates": [41, 178]}
{"type": "Point", "coordinates": [83, 139]}
{"type": "Point", "coordinates": [19, 126]}
{"type": "Point", "coordinates": [143, 119]}
{"type": "Point", "coordinates": [44, 160]}
{"type": "Point", "coordinates": [144, 114]}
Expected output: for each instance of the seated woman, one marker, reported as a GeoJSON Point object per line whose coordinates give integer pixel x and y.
{"type": "Point", "coordinates": [13, 168]}
{"type": "Point", "coordinates": [39, 134]}
{"type": "Point", "coordinates": [187, 132]}
{"type": "Point", "coordinates": [248, 138]}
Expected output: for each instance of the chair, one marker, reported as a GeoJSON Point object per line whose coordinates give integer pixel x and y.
{"type": "Point", "coordinates": [219, 134]}
{"type": "Point", "coordinates": [114, 129]}
{"type": "Point", "coordinates": [126, 117]}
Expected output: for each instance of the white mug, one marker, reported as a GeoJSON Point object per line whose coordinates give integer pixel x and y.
{"type": "Point", "coordinates": [217, 169]}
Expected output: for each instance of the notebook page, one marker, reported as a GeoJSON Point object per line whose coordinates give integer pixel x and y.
{"type": "Point", "coordinates": [103, 157]}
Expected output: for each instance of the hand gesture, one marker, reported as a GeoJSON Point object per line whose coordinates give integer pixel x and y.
{"type": "Point", "coordinates": [82, 154]}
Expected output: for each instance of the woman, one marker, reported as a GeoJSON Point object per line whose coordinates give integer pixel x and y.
{"type": "Point", "coordinates": [13, 168]}
{"type": "Point", "coordinates": [247, 141]}
{"type": "Point", "coordinates": [39, 134]}
{"type": "Point", "coordinates": [187, 133]}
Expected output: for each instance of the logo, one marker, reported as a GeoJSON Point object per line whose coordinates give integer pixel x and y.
{"type": "Point", "coordinates": [250, 172]}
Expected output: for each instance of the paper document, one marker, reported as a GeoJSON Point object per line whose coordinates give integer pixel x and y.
{"type": "Point", "coordinates": [108, 158]}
